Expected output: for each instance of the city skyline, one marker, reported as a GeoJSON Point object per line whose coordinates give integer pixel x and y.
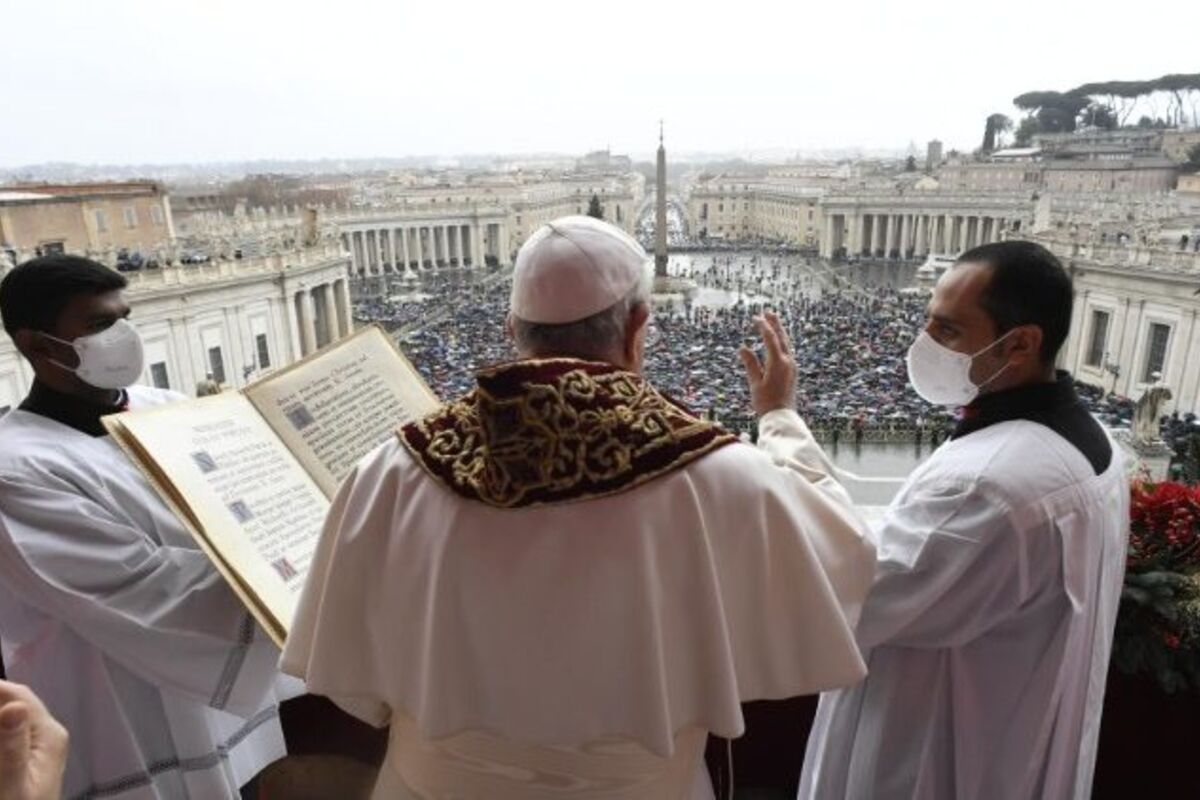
{"type": "Point", "coordinates": [133, 82]}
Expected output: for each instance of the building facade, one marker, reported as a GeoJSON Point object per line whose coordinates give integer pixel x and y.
{"type": "Point", "coordinates": [1136, 319]}
{"type": "Point", "coordinates": [236, 320]}
{"type": "Point", "coordinates": [776, 208]}
{"type": "Point", "coordinates": [95, 219]}
{"type": "Point", "coordinates": [917, 224]}
{"type": "Point", "coordinates": [474, 224]}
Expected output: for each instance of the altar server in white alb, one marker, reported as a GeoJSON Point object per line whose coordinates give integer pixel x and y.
{"type": "Point", "coordinates": [108, 610]}
{"type": "Point", "coordinates": [560, 583]}
{"type": "Point", "coordinates": [988, 629]}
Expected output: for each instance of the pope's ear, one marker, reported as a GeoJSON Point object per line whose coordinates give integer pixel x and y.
{"type": "Point", "coordinates": [639, 315]}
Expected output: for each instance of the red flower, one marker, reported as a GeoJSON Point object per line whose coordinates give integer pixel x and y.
{"type": "Point", "coordinates": [1164, 526]}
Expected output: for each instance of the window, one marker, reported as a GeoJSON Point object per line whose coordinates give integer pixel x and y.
{"type": "Point", "coordinates": [53, 249]}
{"type": "Point", "coordinates": [1096, 345]}
{"type": "Point", "coordinates": [1156, 351]}
{"type": "Point", "coordinates": [216, 364]}
{"type": "Point", "coordinates": [130, 217]}
{"type": "Point", "coordinates": [101, 222]}
{"type": "Point", "coordinates": [264, 351]}
{"type": "Point", "coordinates": [158, 375]}
{"type": "Point", "coordinates": [156, 215]}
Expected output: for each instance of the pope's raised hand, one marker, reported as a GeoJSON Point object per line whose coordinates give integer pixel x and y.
{"type": "Point", "coordinates": [772, 384]}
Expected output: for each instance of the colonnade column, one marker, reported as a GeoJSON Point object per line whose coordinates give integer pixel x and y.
{"type": "Point", "coordinates": [342, 308]}
{"type": "Point", "coordinates": [331, 313]}
{"type": "Point", "coordinates": [308, 331]}
{"type": "Point", "coordinates": [477, 250]}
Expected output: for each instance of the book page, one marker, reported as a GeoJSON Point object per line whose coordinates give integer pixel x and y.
{"type": "Point", "coordinates": [252, 503]}
{"type": "Point", "coordinates": [170, 495]}
{"type": "Point", "coordinates": [335, 406]}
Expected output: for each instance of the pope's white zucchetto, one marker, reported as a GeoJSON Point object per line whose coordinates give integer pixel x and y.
{"type": "Point", "coordinates": [575, 267]}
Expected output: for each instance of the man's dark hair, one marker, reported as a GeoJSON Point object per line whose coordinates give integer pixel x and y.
{"type": "Point", "coordinates": [1028, 286]}
{"type": "Point", "coordinates": [33, 294]}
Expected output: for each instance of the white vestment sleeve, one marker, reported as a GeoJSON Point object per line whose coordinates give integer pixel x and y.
{"type": "Point", "coordinates": [352, 687]}
{"type": "Point", "coordinates": [783, 434]}
{"type": "Point", "coordinates": [162, 612]}
{"type": "Point", "coordinates": [950, 566]}
{"type": "Point", "coordinates": [837, 533]}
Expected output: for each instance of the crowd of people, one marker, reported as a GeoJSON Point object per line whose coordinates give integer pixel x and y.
{"type": "Point", "coordinates": [850, 344]}
{"type": "Point", "coordinates": [850, 340]}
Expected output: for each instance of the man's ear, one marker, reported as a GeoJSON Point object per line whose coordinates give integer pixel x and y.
{"type": "Point", "coordinates": [508, 327]}
{"type": "Point", "coordinates": [32, 346]}
{"type": "Point", "coordinates": [1026, 344]}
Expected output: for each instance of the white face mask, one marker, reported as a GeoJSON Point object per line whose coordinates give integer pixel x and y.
{"type": "Point", "coordinates": [943, 376]}
{"type": "Point", "coordinates": [110, 359]}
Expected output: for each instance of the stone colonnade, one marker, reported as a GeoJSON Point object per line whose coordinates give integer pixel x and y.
{"type": "Point", "coordinates": [405, 247]}
{"type": "Point", "coordinates": [320, 314]}
{"type": "Point", "coordinates": [909, 234]}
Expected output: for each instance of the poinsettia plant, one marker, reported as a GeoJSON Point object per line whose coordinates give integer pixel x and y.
{"type": "Point", "coordinates": [1158, 626]}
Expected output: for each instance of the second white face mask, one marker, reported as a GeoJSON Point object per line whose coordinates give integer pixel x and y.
{"type": "Point", "coordinates": [943, 376]}
{"type": "Point", "coordinates": [110, 359]}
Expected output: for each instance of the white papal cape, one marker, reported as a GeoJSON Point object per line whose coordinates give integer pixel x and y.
{"type": "Point", "coordinates": [580, 649]}
{"type": "Point", "coordinates": [110, 612]}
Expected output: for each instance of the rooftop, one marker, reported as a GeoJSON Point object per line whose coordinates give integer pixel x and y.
{"type": "Point", "coordinates": [55, 192]}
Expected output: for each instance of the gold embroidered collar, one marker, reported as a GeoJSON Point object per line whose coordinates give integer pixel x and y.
{"type": "Point", "coordinates": [557, 430]}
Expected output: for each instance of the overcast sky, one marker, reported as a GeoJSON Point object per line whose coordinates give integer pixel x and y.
{"type": "Point", "coordinates": [154, 81]}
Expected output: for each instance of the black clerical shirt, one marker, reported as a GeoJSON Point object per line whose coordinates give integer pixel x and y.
{"type": "Point", "coordinates": [82, 415]}
{"type": "Point", "coordinates": [1053, 404]}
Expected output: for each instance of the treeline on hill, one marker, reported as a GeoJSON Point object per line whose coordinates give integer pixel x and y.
{"type": "Point", "coordinates": [1171, 101]}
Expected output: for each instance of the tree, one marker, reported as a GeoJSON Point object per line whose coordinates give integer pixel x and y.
{"type": "Point", "coordinates": [1098, 115]}
{"type": "Point", "coordinates": [996, 124]}
{"type": "Point", "coordinates": [1028, 128]}
{"type": "Point", "coordinates": [1055, 111]}
{"type": "Point", "coordinates": [594, 208]}
{"type": "Point", "coordinates": [1193, 159]}
{"type": "Point", "coordinates": [910, 164]}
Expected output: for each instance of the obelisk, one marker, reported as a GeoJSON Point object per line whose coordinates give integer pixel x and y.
{"type": "Point", "coordinates": [660, 210]}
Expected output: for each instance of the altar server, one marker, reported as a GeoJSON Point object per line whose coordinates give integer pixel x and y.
{"type": "Point", "coordinates": [108, 609]}
{"type": "Point", "coordinates": [988, 629]}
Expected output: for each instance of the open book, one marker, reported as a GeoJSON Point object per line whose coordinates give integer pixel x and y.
{"type": "Point", "coordinates": [251, 473]}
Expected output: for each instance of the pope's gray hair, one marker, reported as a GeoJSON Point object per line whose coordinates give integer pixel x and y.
{"type": "Point", "coordinates": [594, 337]}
